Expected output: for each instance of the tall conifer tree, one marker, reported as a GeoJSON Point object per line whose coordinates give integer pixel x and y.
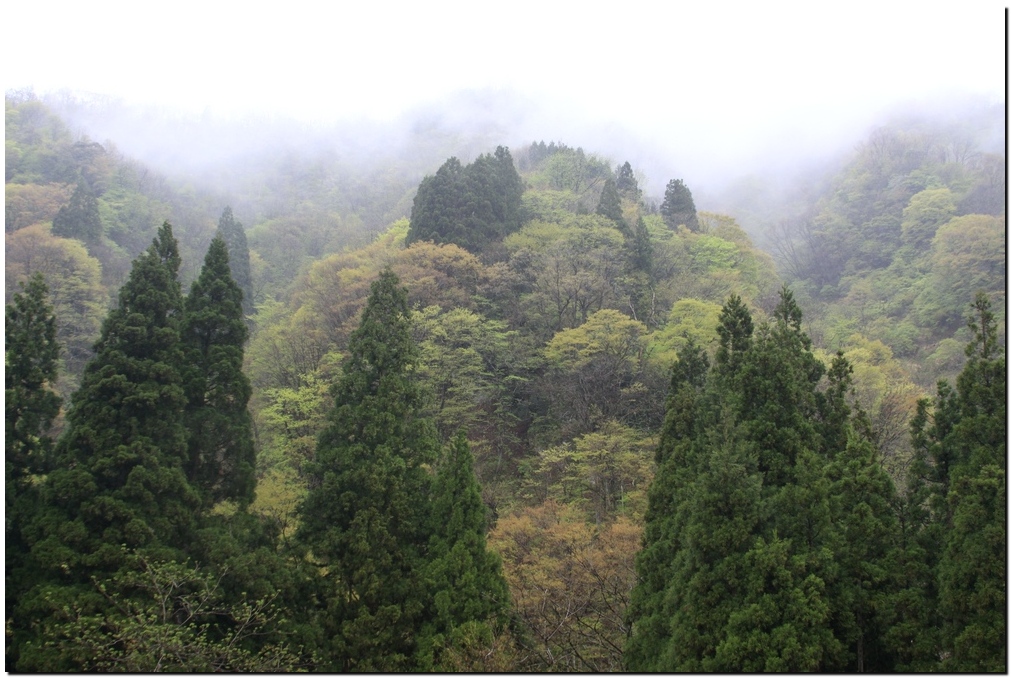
{"type": "Point", "coordinates": [678, 206]}
{"type": "Point", "coordinates": [748, 563]}
{"type": "Point", "coordinates": [609, 204]}
{"type": "Point", "coordinates": [234, 235]}
{"type": "Point", "coordinates": [959, 480]}
{"type": "Point", "coordinates": [79, 218]}
{"type": "Point", "coordinates": [366, 518]}
{"type": "Point", "coordinates": [221, 461]}
{"type": "Point", "coordinates": [30, 405]}
{"type": "Point", "coordinates": [469, 593]}
{"type": "Point", "coordinates": [119, 482]}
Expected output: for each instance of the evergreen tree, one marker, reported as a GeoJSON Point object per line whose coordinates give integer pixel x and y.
{"type": "Point", "coordinates": [626, 183]}
{"type": "Point", "coordinates": [469, 593]}
{"type": "Point", "coordinates": [678, 207]}
{"type": "Point", "coordinates": [960, 480]}
{"type": "Point", "coordinates": [221, 462]}
{"type": "Point", "coordinates": [366, 518]}
{"type": "Point", "coordinates": [118, 483]}
{"type": "Point", "coordinates": [640, 248]}
{"type": "Point", "coordinates": [650, 606]}
{"type": "Point", "coordinates": [757, 547]}
{"type": "Point", "coordinates": [30, 405]}
{"type": "Point", "coordinates": [234, 235]}
{"type": "Point", "coordinates": [80, 218]}
{"type": "Point", "coordinates": [610, 204]}
{"type": "Point", "coordinates": [867, 551]}
{"type": "Point", "coordinates": [435, 211]}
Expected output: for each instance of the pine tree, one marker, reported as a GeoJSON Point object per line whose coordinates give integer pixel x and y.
{"type": "Point", "coordinates": [80, 218]}
{"type": "Point", "coordinates": [366, 517]}
{"type": "Point", "coordinates": [221, 461]}
{"type": "Point", "coordinates": [469, 593]}
{"type": "Point", "coordinates": [30, 405]}
{"type": "Point", "coordinates": [234, 235]}
{"type": "Point", "coordinates": [678, 207]}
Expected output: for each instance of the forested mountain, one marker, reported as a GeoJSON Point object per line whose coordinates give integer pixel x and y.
{"type": "Point", "coordinates": [510, 412]}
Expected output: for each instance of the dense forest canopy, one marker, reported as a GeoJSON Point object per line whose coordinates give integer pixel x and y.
{"type": "Point", "coordinates": [490, 408]}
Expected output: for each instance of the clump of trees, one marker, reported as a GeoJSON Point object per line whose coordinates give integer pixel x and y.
{"type": "Point", "coordinates": [774, 540]}
{"type": "Point", "coordinates": [468, 205]}
{"type": "Point", "coordinates": [131, 546]}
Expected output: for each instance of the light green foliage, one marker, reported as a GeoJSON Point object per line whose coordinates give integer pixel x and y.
{"type": "Point", "coordinates": [885, 393]}
{"type": "Point", "coordinates": [290, 418]}
{"type": "Point", "coordinates": [874, 246]}
{"type": "Point", "coordinates": [689, 320]}
{"type": "Point", "coordinates": [606, 333]}
{"type": "Point", "coordinates": [575, 268]}
{"type": "Point", "coordinates": [74, 279]}
{"type": "Point", "coordinates": [925, 213]}
{"type": "Point", "coordinates": [28, 204]}
{"type": "Point", "coordinates": [464, 358]}
{"type": "Point", "coordinates": [572, 170]}
{"type": "Point", "coordinates": [604, 473]}
{"type": "Point", "coordinates": [967, 256]}
{"type": "Point", "coordinates": [596, 371]}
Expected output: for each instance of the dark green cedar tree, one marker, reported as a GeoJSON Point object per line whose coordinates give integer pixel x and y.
{"type": "Point", "coordinates": [751, 559]}
{"type": "Point", "coordinates": [469, 593]}
{"type": "Point", "coordinates": [650, 608]}
{"type": "Point", "coordinates": [79, 218]}
{"type": "Point", "coordinates": [30, 405]}
{"type": "Point", "coordinates": [609, 204]}
{"type": "Point", "coordinates": [221, 461]}
{"type": "Point", "coordinates": [231, 231]}
{"type": "Point", "coordinates": [468, 206]}
{"type": "Point", "coordinates": [626, 183]}
{"type": "Point", "coordinates": [118, 484]}
{"type": "Point", "coordinates": [678, 207]}
{"type": "Point", "coordinates": [972, 572]}
{"type": "Point", "coordinates": [366, 517]}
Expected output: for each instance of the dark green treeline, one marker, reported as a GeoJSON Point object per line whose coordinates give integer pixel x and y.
{"type": "Point", "coordinates": [117, 570]}
{"type": "Point", "coordinates": [774, 541]}
{"type": "Point", "coordinates": [130, 547]}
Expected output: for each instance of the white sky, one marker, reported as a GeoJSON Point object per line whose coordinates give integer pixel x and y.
{"type": "Point", "coordinates": [705, 73]}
